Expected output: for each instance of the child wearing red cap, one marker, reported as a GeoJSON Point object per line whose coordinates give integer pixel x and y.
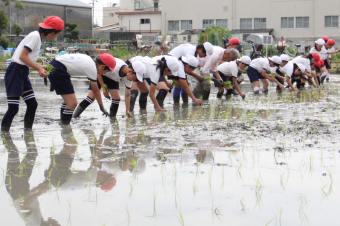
{"type": "Point", "coordinates": [127, 73]}
{"type": "Point", "coordinates": [68, 65]}
{"type": "Point", "coordinates": [307, 61]}
{"type": "Point", "coordinates": [329, 47]}
{"type": "Point", "coordinates": [16, 78]}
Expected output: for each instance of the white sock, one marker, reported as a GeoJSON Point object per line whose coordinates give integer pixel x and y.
{"type": "Point", "coordinates": [328, 75]}
{"type": "Point", "coordinates": [225, 91]}
{"type": "Point", "coordinates": [324, 74]}
{"type": "Point", "coordinates": [256, 89]}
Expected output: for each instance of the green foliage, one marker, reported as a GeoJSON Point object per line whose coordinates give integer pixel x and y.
{"type": "Point", "coordinates": [123, 54]}
{"type": "Point", "coordinates": [214, 35]}
{"type": "Point", "coordinates": [12, 45]}
{"type": "Point", "coordinates": [227, 84]}
{"type": "Point", "coordinates": [4, 41]}
{"type": "Point", "coordinates": [49, 68]}
{"type": "Point", "coordinates": [71, 33]}
{"type": "Point", "coordinates": [105, 88]}
{"type": "Point", "coordinates": [19, 5]}
{"type": "Point", "coordinates": [7, 2]}
{"type": "Point", "coordinates": [17, 29]}
{"type": "Point", "coordinates": [4, 22]}
{"type": "Point", "coordinates": [208, 79]}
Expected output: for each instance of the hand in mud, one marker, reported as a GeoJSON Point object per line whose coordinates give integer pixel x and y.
{"type": "Point", "coordinates": [200, 80]}
{"type": "Point", "coordinates": [218, 83]}
{"type": "Point", "coordinates": [282, 87]}
{"type": "Point", "coordinates": [243, 96]}
{"type": "Point", "coordinates": [129, 114]}
{"type": "Point", "coordinates": [199, 101]}
{"type": "Point", "coordinates": [161, 109]}
{"type": "Point", "coordinates": [103, 110]}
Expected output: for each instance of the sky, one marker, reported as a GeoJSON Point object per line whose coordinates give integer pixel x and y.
{"type": "Point", "coordinates": [98, 8]}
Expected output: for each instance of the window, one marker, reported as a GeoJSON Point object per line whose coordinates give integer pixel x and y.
{"type": "Point", "coordinates": [111, 15]}
{"type": "Point", "coordinates": [222, 23]}
{"type": "Point", "coordinates": [186, 24]}
{"type": "Point", "coordinates": [260, 23]}
{"type": "Point", "coordinates": [246, 24]}
{"type": "Point", "coordinates": [145, 21]}
{"type": "Point", "coordinates": [138, 6]}
{"type": "Point", "coordinates": [173, 25]}
{"type": "Point", "coordinates": [287, 22]}
{"type": "Point", "coordinates": [155, 5]}
{"type": "Point", "coordinates": [208, 23]}
{"type": "Point", "coordinates": [331, 21]}
{"type": "Point", "coordinates": [302, 22]}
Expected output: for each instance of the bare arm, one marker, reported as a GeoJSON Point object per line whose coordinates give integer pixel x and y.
{"type": "Point", "coordinates": [217, 75]}
{"type": "Point", "coordinates": [196, 76]}
{"type": "Point", "coordinates": [24, 58]}
{"type": "Point", "coordinates": [153, 97]}
{"type": "Point", "coordinates": [97, 93]}
{"type": "Point", "coordinates": [266, 76]}
{"type": "Point", "coordinates": [238, 88]}
{"type": "Point", "coordinates": [187, 89]}
{"type": "Point", "coordinates": [290, 84]}
{"type": "Point", "coordinates": [127, 102]}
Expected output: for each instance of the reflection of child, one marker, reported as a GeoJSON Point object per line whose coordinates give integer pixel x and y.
{"type": "Point", "coordinates": [16, 78]}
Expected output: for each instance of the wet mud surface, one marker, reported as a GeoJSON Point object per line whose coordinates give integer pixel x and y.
{"type": "Point", "coordinates": [267, 160]}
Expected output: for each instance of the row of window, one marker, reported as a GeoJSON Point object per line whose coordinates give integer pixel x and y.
{"type": "Point", "coordinates": [176, 25]}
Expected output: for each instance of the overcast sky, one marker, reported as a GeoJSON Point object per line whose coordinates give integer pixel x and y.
{"type": "Point", "coordinates": [98, 8]}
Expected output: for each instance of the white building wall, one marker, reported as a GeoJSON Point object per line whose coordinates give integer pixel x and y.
{"type": "Point", "coordinates": [110, 20]}
{"type": "Point", "coordinates": [132, 22]}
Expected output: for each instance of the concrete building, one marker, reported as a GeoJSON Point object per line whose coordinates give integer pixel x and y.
{"type": "Point", "coordinates": [294, 20]}
{"type": "Point", "coordinates": [36, 11]}
{"type": "Point", "coordinates": [110, 16]}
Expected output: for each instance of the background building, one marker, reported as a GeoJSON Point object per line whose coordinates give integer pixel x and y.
{"type": "Point", "coordinates": [293, 20]}
{"type": "Point", "coordinates": [36, 11]}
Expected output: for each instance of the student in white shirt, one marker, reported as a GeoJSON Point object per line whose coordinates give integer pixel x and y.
{"type": "Point", "coordinates": [307, 61]}
{"type": "Point", "coordinates": [329, 47]}
{"type": "Point", "coordinates": [229, 72]}
{"type": "Point", "coordinates": [111, 79]}
{"type": "Point", "coordinates": [156, 67]}
{"type": "Point", "coordinates": [319, 48]}
{"type": "Point", "coordinates": [257, 70]}
{"type": "Point", "coordinates": [69, 65]}
{"type": "Point", "coordinates": [16, 77]}
{"type": "Point", "coordinates": [292, 71]}
{"type": "Point", "coordinates": [200, 51]}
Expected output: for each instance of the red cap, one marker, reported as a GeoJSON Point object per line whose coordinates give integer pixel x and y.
{"type": "Point", "coordinates": [316, 56]}
{"type": "Point", "coordinates": [108, 60]}
{"type": "Point", "coordinates": [319, 64]}
{"type": "Point", "coordinates": [234, 41]}
{"type": "Point", "coordinates": [330, 42]}
{"type": "Point", "coordinates": [109, 184]}
{"type": "Point", "coordinates": [53, 22]}
{"type": "Point", "coordinates": [325, 38]}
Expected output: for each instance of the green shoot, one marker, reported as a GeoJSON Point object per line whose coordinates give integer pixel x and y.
{"type": "Point", "coordinates": [49, 68]}
{"type": "Point", "coordinates": [227, 84]}
{"type": "Point", "coordinates": [208, 79]}
{"type": "Point", "coordinates": [106, 89]}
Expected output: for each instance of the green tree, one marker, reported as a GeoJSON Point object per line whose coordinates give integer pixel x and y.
{"type": "Point", "coordinates": [17, 29]}
{"type": "Point", "coordinates": [214, 34]}
{"type": "Point", "coordinates": [4, 41]}
{"type": "Point", "coordinates": [71, 33]}
{"type": "Point", "coordinates": [4, 22]}
{"type": "Point", "coordinates": [18, 4]}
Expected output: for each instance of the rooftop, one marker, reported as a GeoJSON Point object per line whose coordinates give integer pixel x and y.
{"type": "Point", "coordinates": [74, 3]}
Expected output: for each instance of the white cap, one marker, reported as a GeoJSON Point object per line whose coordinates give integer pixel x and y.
{"type": "Point", "coordinates": [284, 57]}
{"type": "Point", "coordinates": [275, 59]}
{"type": "Point", "coordinates": [320, 42]}
{"type": "Point", "coordinates": [301, 67]}
{"type": "Point", "coordinates": [140, 69]}
{"type": "Point", "coordinates": [172, 64]}
{"type": "Point", "coordinates": [245, 59]}
{"type": "Point", "coordinates": [191, 60]}
{"type": "Point", "coordinates": [208, 48]}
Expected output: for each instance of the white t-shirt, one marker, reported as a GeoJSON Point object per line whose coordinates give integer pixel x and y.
{"type": "Point", "coordinates": [183, 50]}
{"type": "Point", "coordinates": [212, 61]}
{"type": "Point", "coordinates": [79, 64]}
{"type": "Point", "coordinates": [304, 61]}
{"type": "Point", "coordinates": [259, 64]}
{"type": "Point", "coordinates": [229, 68]}
{"type": "Point", "coordinates": [323, 52]}
{"type": "Point", "coordinates": [329, 50]}
{"type": "Point", "coordinates": [31, 42]}
{"type": "Point", "coordinates": [115, 76]}
{"type": "Point", "coordinates": [288, 69]}
{"type": "Point", "coordinates": [181, 72]}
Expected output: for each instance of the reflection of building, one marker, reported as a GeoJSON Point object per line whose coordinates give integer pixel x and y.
{"type": "Point", "coordinates": [36, 11]}
{"type": "Point", "coordinates": [244, 17]}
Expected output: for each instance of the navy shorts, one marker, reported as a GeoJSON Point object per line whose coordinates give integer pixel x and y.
{"type": "Point", "coordinates": [253, 74]}
{"type": "Point", "coordinates": [60, 79]}
{"type": "Point", "coordinates": [327, 65]}
{"type": "Point", "coordinates": [109, 82]}
{"type": "Point", "coordinates": [17, 80]}
{"type": "Point", "coordinates": [148, 80]}
{"type": "Point", "coordinates": [172, 77]}
{"type": "Point", "coordinates": [128, 62]}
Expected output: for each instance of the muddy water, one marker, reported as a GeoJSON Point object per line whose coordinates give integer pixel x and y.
{"type": "Point", "coordinates": [269, 160]}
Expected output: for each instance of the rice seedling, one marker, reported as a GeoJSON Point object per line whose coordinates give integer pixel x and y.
{"type": "Point", "coordinates": [243, 205]}
{"type": "Point", "coordinates": [303, 216]}
{"type": "Point", "coordinates": [258, 190]}
{"type": "Point", "coordinates": [195, 188]}
{"type": "Point", "coordinates": [180, 218]}
{"type": "Point", "coordinates": [208, 79]}
{"type": "Point", "coordinates": [105, 88]}
{"type": "Point", "coordinates": [227, 84]}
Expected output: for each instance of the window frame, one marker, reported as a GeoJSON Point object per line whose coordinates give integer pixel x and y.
{"type": "Point", "coordinates": [225, 20]}
{"type": "Point", "coordinates": [288, 22]}
{"type": "Point", "coordinates": [187, 25]}
{"type": "Point", "coordinates": [213, 20]}
{"type": "Point", "coordinates": [247, 20]}
{"type": "Point", "coordinates": [261, 23]}
{"type": "Point", "coordinates": [144, 21]}
{"type": "Point", "coordinates": [302, 22]}
{"type": "Point", "coordinates": [173, 21]}
{"type": "Point", "coordinates": [332, 21]}
{"type": "Point", "coordinates": [109, 15]}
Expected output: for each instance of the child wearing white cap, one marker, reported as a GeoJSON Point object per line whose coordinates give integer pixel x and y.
{"type": "Point", "coordinates": [307, 61]}
{"type": "Point", "coordinates": [292, 71]}
{"type": "Point", "coordinates": [156, 67]}
{"type": "Point", "coordinates": [122, 72]}
{"type": "Point", "coordinates": [319, 48]}
{"type": "Point", "coordinates": [229, 72]}
{"type": "Point", "coordinates": [200, 51]}
{"type": "Point", "coordinates": [257, 70]}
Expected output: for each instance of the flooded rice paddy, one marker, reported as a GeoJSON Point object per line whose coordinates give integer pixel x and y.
{"type": "Point", "coordinates": [268, 160]}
